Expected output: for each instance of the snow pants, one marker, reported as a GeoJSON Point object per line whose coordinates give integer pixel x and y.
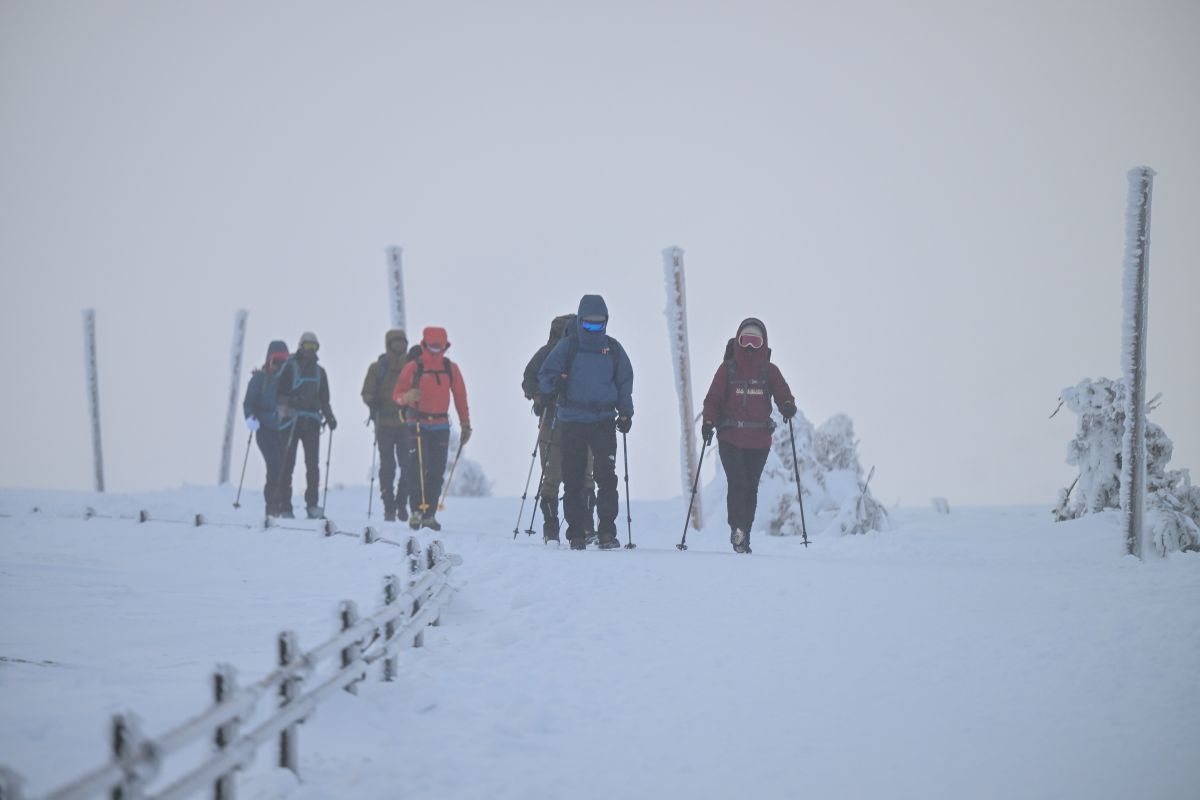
{"type": "Point", "coordinates": [271, 444]}
{"type": "Point", "coordinates": [743, 469]}
{"type": "Point", "coordinates": [306, 431]}
{"type": "Point", "coordinates": [393, 458]}
{"type": "Point", "coordinates": [430, 448]}
{"type": "Point", "coordinates": [579, 440]}
{"type": "Point", "coordinates": [550, 448]}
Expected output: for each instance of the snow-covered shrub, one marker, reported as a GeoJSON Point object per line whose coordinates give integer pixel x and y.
{"type": "Point", "coordinates": [836, 496]}
{"type": "Point", "coordinates": [1172, 503]}
{"type": "Point", "coordinates": [469, 479]}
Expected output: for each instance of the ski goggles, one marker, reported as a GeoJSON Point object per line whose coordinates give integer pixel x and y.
{"type": "Point", "coordinates": [750, 340]}
{"type": "Point", "coordinates": [595, 326]}
{"type": "Point", "coordinates": [310, 346]}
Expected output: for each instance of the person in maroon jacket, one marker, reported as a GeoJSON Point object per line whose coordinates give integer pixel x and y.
{"type": "Point", "coordinates": [738, 404]}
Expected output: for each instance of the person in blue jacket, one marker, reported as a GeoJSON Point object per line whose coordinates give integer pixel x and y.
{"type": "Point", "coordinates": [262, 418]}
{"type": "Point", "coordinates": [589, 378]}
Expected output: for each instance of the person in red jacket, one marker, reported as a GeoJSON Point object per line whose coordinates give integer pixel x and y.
{"type": "Point", "coordinates": [738, 405]}
{"type": "Point", "coordinates": [424, 390]}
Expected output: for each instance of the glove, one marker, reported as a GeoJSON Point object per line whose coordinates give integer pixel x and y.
{"type": "Point", "coordinates": [788, 409]}
{"type": "Point", "coordinates": [331, 421]}
{"type": "Point", "coordinates": [465, 436]}
{"type": "Point", "coordinates": [624, 423]}
{"type": "Point", "coordinates": [538, 407]}
{"type": "Point", "coordinates": [410, 398]}
{"type": "Point", "coordinates": [706, 432]}
{"type": "Point", "coordinates": [560, 384]}
{"type": "Point", "coordinates": [252, 423]}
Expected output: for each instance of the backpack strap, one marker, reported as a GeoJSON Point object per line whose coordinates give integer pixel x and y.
{"type": "Point", "coordinates": [380, 377]}
{"type": "Point", "coordinates": [420, 370]}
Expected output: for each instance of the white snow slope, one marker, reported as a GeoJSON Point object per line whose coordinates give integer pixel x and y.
{"type": "Point", "coordinates": [984, 654]}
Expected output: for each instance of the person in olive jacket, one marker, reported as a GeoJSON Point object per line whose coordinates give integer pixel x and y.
{"type": "Point", "coordinates": [391, 434]}
{"type": "Point", "coordinates": [738, 405]}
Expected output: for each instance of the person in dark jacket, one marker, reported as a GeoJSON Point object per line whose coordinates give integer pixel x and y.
{"type": "Point", "coordinates": [738, 405]}
{"type": "Point", "coordinates": [262, 417]}
{"type": "Point", "coordinates": [549, 439]}
{"type": "Point", "coordinates": [590, 378]}
{"type": "Point", "coordinates": [391, 436]}
{"type": "Point", "coordinates": [303, 410]}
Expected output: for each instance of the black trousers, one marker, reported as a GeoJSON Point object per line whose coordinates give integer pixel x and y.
{"type": "Point", "coordinates": [578, 440]}
{"type": "Point", "coordinates": [430, 448]}
{"type": "Point", "coordinates": [743, 469]}
{"type": "Point", "coordinates": [271, 444]}
{"type": "Point", "coordinates": [393, 459]}
{"type": "Point", "coordinates": [306, 431]}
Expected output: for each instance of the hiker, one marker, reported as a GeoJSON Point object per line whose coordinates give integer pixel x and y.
{"type": "Point", "coordinates": [424, 390]}
{"type": "Point", "coordinates": [391, 435]}
{"type": "Point", "coordinates": [260, 408]}
{"type": "Point", "coordinates": [303, 410]}
{"type": "Point", "coordinates": [589, 379]}
{"type": "Point", "coordinates": [549, 441]}
{"type": "Point", "coordinates": [738, 406]}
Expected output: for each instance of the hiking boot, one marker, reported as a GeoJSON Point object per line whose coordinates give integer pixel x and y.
{"type": "Point", "coordinates": [414, 521]}
{"type": "Point", "coordinates": [740, 540]}
{"type": "Point", "coordinates": [550, 529]}
{"type": "Point", "coordinates": [431, 523]}
{"type": "Point", "coordinates": [389, 516]}
{"type": "Point", "coordinates": [315, 512]}
{"type": "Point", "coordinates": [591, 537]}
{"type": "Point", "coordinates": [610, 544]}
{"type": "Point", "coordinates": [401, 513]}
{"type": "Point", "coordinates": [577, 543]}
{"type": "Point", "coordinates": [286, 513]}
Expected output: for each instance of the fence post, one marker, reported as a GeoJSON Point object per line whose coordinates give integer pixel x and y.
{"type": "Point", "coordinates": [412, 548]}
{"type": "Point", "coordinates": [138, 763]}
{"type": "Point", "coordinates": [391, 593]}
{"type": "Point", "coordinates": [348, 612]}
{"type": "Point", "coordinates": [224, 687]}
{"type": "Point", "coordinates": [433, 554]}
{"type": "Point", "coordinates": [289, 652]}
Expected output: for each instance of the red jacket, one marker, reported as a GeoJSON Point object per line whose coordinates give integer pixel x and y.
{"type": "Point", "coordinates": [743, 395]}
{"type": "Point", "coordinates": [439, 379]}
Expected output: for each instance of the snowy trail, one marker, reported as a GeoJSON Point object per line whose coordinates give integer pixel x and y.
{"type": "Point", "coordinates": [984, 654]}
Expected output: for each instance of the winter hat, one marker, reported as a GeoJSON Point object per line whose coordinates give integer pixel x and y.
{"type": "Point", "coordinates": [306, 337]}
{"type": "Point", "coordinates": [435, 339]}
{"type": "Point", "coordinates": [751, 327]}
{"type": "Point", "coordinates": [276, 351]}
{"type": "Point", "coordinates": [395, 334]}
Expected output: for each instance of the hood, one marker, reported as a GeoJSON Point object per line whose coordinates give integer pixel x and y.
{"type": "Point", "coordinates": [433, 335]}
{"type": "Point", "coordinates": [279, 350]}
{"type": "Point", "coordinates": [593, 305]}
{"type": "Point", "coordinates": [744, 357]}
{"type": "Point", "coordinates": [393, 335]}
{"type": "Point", "coordinates": [558, 328]}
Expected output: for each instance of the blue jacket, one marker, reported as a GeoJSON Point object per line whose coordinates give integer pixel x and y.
{"type": "Point", "coordinates": [600, 384]}
{"type": "Point", "coordinates": [261, 398]}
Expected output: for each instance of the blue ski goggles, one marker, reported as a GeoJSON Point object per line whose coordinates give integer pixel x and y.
{"type": "Point", "coordinates": [595, 326]}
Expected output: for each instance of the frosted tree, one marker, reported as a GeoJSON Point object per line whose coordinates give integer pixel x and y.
{"type": "Point", "coordinates": [837, 497]}
{"type": "Point", "coordinates": [1172, 502]}
{"type": "Point", "coordinates": [469, 478]}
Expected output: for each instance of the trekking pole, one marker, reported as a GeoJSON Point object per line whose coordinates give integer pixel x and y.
{"type": "Point", "coordinates": [525, 494]}
{"type": "Point", "coordinates": [237, 503]}
{"type": "Point", "coordinates": [695, 483]}
{"type": "Point", "coordinates": [421, 469]}
{"type": "Point", "coordinates": [284, 477]}
{"type": "Point", "coordinates": [450, 480]}
{"type": "Point", "coordinates": [546, 456]}
{"type": "Point", "coordinates": [799, 493]}
{"type": "Point", "coordinates": [328, 456]}
{"type": "Point", "coordinates": [374, 456]}
{"type": "Point", "coordinates": [628, 514]}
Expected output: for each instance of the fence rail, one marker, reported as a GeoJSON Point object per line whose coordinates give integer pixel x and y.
{"type": "Point", "coordinates": [242, 719]}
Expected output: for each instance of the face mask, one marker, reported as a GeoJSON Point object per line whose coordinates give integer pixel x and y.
{"type": "Point", "coordinates": [434, 348]}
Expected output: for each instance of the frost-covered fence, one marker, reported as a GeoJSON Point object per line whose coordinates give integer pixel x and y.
{"type": "Point", "coordinates": [92, 382]}
{"type": "Point", "coordinates": [241, 720]}
{"type": "Point", "coordinates": [235, 382]}
{"type": "Point", "coordinates": [396, 288]}
{"type": "Point", "coordinates": [676, 314]}
{"type": "Point", "coordinates": [1133, 346]}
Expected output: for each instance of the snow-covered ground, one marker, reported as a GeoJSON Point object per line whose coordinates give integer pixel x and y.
{"type": "Point", "coordinates": [989, 653]}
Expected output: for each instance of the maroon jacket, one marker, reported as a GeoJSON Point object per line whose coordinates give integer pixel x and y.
{"type": "Point", "coordinates": [743, 395]}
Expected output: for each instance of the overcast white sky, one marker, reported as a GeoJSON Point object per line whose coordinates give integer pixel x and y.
{"type": "Point", "coordinates": [924, 202]}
